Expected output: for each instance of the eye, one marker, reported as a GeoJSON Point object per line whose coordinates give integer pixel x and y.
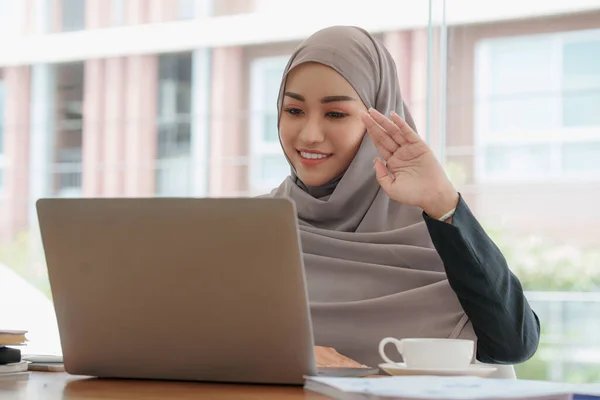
{"type": "Point", "coordinates": [293, 111]}
{"type": "Point", "coordinates": [336, 114]}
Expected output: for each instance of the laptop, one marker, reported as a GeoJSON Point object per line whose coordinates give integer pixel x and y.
{"type": "Point", "coordinates": [194, 289]}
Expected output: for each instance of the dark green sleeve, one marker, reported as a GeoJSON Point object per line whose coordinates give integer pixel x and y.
{"type": "Point", "coordinates": [507, 329]}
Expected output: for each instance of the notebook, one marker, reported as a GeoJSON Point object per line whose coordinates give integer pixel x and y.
{"type": "Point", "coordinates": [12, 337]}
{"type": "Point", "coordinates": [448, 388]}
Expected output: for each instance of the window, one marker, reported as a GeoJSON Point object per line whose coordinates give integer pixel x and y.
{"type": "Point", "coordinates": [72, 15]}
{"type": "Point", "coordinates": [173, 175]}
{"type": "Point", "coordinates": [581, 81]}
{"type": "Point", "coordinates": [187, 9]}
{"type": "Point", "coordinates": [537, 107]}
{"type": "Point", "coordinates": [5, 17]}
{"type": "Point", "coordinates": [117, 12]}
{"type": "Point", "coordinates": [268, 165]}
{"type": "Point", "coordinates": [69, 129]}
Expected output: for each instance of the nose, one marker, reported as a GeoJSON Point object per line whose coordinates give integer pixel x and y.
{"type": "Point", "coordinates": [312, 132]}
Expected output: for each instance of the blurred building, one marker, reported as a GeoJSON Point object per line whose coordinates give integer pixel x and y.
{"type": "Point", "coordinates": [177, 98]}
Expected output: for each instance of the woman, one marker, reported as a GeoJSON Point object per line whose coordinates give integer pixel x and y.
{"type": "Point", "coordinates": [388, 251]}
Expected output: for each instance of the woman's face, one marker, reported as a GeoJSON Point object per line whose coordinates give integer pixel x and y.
{"type": "Point", "coordinates": [320, 125]}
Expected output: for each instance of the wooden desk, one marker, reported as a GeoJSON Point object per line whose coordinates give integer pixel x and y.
{"type": "Point", "coordinates": [54, 386]}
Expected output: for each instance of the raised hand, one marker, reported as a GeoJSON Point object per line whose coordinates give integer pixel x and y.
{"type": "Point", "coordinates": [408, 171]}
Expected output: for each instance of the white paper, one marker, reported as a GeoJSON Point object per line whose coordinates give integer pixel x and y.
{"type": "Point", "coordinates": [456, 388]}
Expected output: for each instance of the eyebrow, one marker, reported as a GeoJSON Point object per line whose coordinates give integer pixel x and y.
{"type": "Point", "coordinates": [324, 100]}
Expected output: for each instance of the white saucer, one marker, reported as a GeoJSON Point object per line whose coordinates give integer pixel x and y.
{"type": "Point", "coordinates": [472, 370]}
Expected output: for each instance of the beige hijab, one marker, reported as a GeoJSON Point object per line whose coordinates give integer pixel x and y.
{"type": "Point", "coordinates": [371, 268]}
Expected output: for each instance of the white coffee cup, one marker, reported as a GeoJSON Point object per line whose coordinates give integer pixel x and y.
{"type": "Point", "coordinates": [431, 353]}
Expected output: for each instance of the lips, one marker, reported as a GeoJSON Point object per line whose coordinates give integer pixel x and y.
{"type": "Point", "coordinates": [312, 158]}
{"type": "Point", "coordinates": [313, 155]}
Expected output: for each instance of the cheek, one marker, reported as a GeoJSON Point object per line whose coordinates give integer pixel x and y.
{"type": "Point", "coordinates": [347, 138]}
{"type": "Point", "coordinates": [284, 130]}
{"type": "Point", "coordinates": [288, 135]}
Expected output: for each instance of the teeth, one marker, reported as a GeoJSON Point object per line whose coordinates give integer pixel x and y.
{"type": "Point", "coordinates": [312, 155]}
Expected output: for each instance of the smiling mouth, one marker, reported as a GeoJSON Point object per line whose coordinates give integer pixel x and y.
{"type": "Point", "coordinates": [313, 156]}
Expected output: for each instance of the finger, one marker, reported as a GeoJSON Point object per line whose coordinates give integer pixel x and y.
{"type": "Point", "coordinates": [383, 176]}
{"type": "Point", "coordinates": [379, 134]}
{"type": "Point", "coordinates": [407, 132]}
{"type": "Point", "coordinates": [385, 144]}
{"type": "Point", "coordinates": [390, 128]}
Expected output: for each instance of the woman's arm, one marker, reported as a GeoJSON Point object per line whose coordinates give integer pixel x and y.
{"type": "Point", "coordinates": [507, 329]}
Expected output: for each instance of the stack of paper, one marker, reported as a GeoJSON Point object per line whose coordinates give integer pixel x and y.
{"type": "Point", "coordinates": [11, 364]}
{"type": "Point", "coordinates": [447, 388]}
{"type": "Point", "coordinates": [12, 337]}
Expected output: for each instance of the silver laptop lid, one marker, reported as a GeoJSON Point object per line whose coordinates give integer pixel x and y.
{"type": "Point", "coordinates": [186, 289]}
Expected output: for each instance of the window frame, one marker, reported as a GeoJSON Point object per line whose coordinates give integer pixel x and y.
{"type": "Point", "coordinates": [556, 138]}
{"type": "Point", "coordinates": [260, 148]}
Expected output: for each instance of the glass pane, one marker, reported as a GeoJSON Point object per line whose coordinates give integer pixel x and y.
{"type": "Point", "coordinates": [581, 157]}
{"type": "Point", "coordinates": [271, 71]}
{"type": "Point", "coordinates": [524, 112]}
{"type": "Point", "coordinates": [520, 65]}
{"type": "Point", "coordinates": [174, 109]}
{"type": "Point", "coordinates": [581, 109]}
{"type": "Point", "coordinates": [73, 15]}
{"type": "Point", "coordinates": [581, 81]}
{"type": "Point", "coordinates": [117, 12]}
{"type": "Point", "coordinates": [272, 82]}
{"type": "Point", "coordinates": [274, 168]}
{"type": "Point", "coordinates": [175, 72]}
{"type": "Point", "coordinates": [187, 9]}
{"type": "Point", "coordinates": [271, 134]}
{"type": "Point", "coordinates": [68, 140]}
{"type": "Point", "coordinates": [582, 372]}
{"type": "Point", "coordinates": [173, 176]}
{"type": "Point", "coordinates": [174, 139]}
{"type": "Point", "coordinates": [521, 96]}
{"type": "Point", "coordinates": [518, 159]}
{"type": "Point", "coordinates": [582, 324]}
{"type": "Point", "coordinates": [5, 13]}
